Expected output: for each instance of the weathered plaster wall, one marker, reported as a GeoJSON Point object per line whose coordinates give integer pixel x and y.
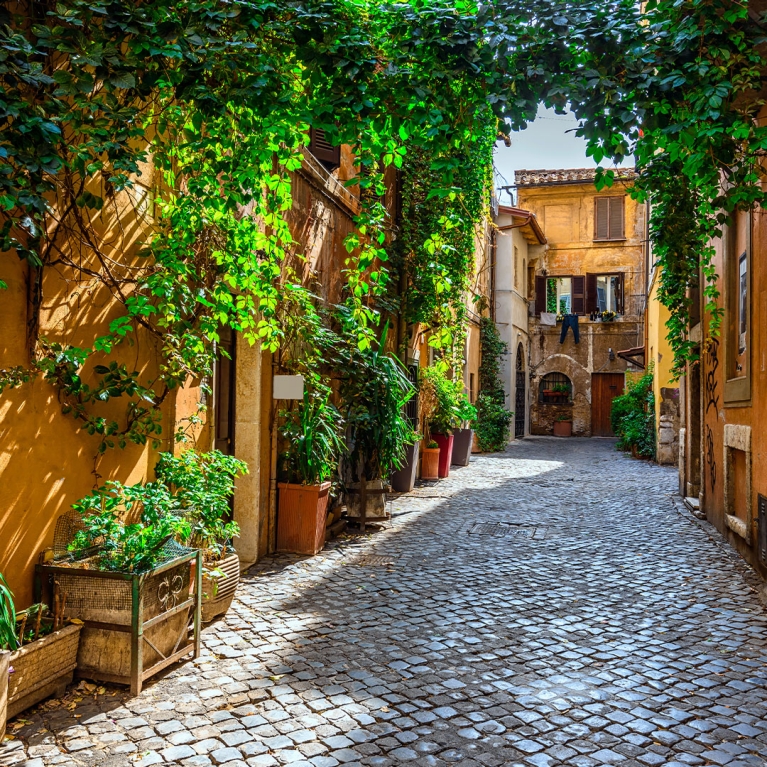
{"type": "Point", "coordinates": [577, 362]}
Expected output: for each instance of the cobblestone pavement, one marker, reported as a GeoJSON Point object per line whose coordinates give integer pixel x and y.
{"type": "Point", "coordinates": [551, 605]}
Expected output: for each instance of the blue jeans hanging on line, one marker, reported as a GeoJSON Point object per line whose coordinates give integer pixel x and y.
{"type": "Point", "coordinates": [570, 321]}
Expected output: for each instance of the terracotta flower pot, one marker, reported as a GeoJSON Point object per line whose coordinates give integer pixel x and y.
{"type": "Point", "coordinates": [301, 517]}
{"type": "Point", "coordinates": [403, 480]}
{"type": "Point", "coordinates": [218, 591]}
{"type": "Point", "coordinates": [462, 444]}
{"type": "Point", "coordinates": [563, 428]}
{"type": "Point", "coordinates": [445, 442]}
{"type": "Point", "coordinates": [430, 463]}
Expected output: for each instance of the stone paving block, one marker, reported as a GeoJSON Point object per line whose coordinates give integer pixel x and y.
{"type": "Point", "coordinates": [625, 635]}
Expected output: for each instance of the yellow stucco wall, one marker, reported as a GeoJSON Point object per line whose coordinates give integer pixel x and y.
{"type": "Point", "coordinates": [657, 348]}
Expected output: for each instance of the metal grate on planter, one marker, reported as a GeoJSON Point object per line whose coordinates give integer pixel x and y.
{"type": "Point", "coordinates": [135, 624]}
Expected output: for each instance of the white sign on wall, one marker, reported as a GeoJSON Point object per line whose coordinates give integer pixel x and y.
{"type": "Point", "coordinates": [288, 387]}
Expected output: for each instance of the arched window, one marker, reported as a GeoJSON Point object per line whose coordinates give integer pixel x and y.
{"type": "Point", "coordinates": [556, 389]}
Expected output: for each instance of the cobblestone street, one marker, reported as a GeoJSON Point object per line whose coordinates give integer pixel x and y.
{"type": "Point", "coordinates": [550, 605]}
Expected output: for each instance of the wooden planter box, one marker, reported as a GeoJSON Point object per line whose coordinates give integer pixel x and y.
{"type": "Point", "coordinates": [135, 624]}
{"type": "Point", "coordinates": [218, 592]}
{"type": "Point", "coordinates": [463, 440]}
{"type": "Point", "coordinates": [5, 659]}
{"type": "Point", "coordinates": [445, 442]}
{"type": "Point", "coordinates": [403, 481]}
{"type": "Point", "coordinates": [42, 668]}
{"type": "Point", "coordinates": [301, 517]}
{"type": "Point", "coordinates": [563, 428]}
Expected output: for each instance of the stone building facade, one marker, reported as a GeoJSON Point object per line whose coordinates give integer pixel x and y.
{"type": "Point", "coordinates": [591, 281]}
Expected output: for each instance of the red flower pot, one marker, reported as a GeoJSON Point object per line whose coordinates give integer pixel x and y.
{"type": "Point", "coordinates": [445, 443]}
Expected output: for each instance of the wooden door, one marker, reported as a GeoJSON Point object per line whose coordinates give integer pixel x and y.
{"type": "Point", "coordinates": [223, 407]}
{"type": "Point", "coordinates": [605, 387]}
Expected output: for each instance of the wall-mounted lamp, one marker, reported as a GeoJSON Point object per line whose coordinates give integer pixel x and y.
{"type": "Point", "coordinates": [610, 354]}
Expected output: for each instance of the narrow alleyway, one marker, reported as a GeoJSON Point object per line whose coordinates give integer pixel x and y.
{"type": "Point", "coordinates": [551, 605]}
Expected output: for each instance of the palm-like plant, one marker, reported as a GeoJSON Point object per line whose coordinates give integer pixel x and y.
{"type": "Point", "coordinates": [374, 391]}
{"type": "Point", "coordinates": [313, 431]}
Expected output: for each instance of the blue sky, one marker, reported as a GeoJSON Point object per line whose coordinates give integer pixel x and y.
{"type": "Point", "coordinates": [545, 143]}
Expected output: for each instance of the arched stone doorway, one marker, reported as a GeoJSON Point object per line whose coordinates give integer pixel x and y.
{"type": "Point", "coordinates": [520, 395]}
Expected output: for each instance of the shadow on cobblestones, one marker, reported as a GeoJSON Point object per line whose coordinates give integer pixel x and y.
{"type": "Point", "coordinates": [549, 606]}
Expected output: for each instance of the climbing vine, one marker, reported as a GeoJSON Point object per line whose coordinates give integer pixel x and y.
{"type": "Point", "coordinates": [493, 419]}
{"type": "Point", "coordinates": [183, 121]}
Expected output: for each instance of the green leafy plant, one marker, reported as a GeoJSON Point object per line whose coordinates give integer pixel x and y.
{"type": "Point", "coordinates": [314, 434]}
{"type": "Point", "coordinates": [465, 411]}
{"type": "Point", "coordinates": [563, 418]}
{"type": "Point", "coordinates": [448, 397]}
{"type": "Point", "coordinates": [633, 417]}
{"type": "Point", "coordinates": [561, 388]}
{"type": "Point", "coordinates": [7, 617]}
{"type": "Point", "coordinates": [201, 487]}
{"type": "Point", "coordinates": [374, 391]}
{"type": "Point", "coordinates": [127, 526]}
{"type": "Point", "coordinates": [493, 419]}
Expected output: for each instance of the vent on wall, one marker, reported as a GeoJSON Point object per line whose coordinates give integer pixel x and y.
{"type": "Point", "coordinates": [762, 519]}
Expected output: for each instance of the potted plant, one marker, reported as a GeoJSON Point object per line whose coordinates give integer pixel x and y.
{"type": "Point", "coordinates": [430, 460]}
{"type": "Point", "coordinates": [38, 654]}
{"type": "Point", "coordinates": [563, 426]}
{"type": "Point", "coordinates": [313, 433]}
{"type": "Point", "coordinates": [445, 414]}
{"type": "Point", "coordinates": [374, 391]}
{"type": "Point", "coordinates": [202, 485]}
{"type": "Point", "coordinates": [463, 437]}
{"type": "Point", "coordinates": [119, 568]}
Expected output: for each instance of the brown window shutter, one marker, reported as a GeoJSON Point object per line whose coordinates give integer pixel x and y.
{"type": "Point", "coordinates": [591, 293]}
{"type": "Point", "coordinates": [601, 218]}
{"type": "Point", "coordinates": [322, 149]}
{"type": "Point", "coordinates": [615, 231]}
{"type": "Point", "coordinates": [620, 291]}
{"type": "Point", "coordinates": [579, 294]}
{"type": "Point", "coordinates": [540, 295]}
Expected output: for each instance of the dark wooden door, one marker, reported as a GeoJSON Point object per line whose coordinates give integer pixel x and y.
{"type": "Point", "coordinates": [223, 407]}
{"type": "Point", "coordinates": [605, 387]}
{"type": "Point", "coordinates": [520, 398]}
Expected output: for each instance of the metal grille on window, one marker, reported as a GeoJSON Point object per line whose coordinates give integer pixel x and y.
{"type": "Point", "coordinates": [555, 389]}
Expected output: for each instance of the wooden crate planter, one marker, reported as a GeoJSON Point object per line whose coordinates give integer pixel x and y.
{"type": "Point", "coordinates": [42, 668]}
{"type": "Point", "coordinates": [218, 592]}
{"type": "Point", "coordinates": [135, 625]}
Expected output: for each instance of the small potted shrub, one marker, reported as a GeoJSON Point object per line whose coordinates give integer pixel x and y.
{"type": "Point", "coordinates": [445, 414]}
{"type": "Point", "coordinates": [463, 437]}
{"type": "Point", "coordinates": [430, 460]}
{"type": "Point", "coordinates": [202, 485]}
{"type": "Point", "coordinates": [313, 433]}
{"type": "Point", "coordinates": [563, 426]}
{"type": "Point", "coordinates": [38, 654]}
